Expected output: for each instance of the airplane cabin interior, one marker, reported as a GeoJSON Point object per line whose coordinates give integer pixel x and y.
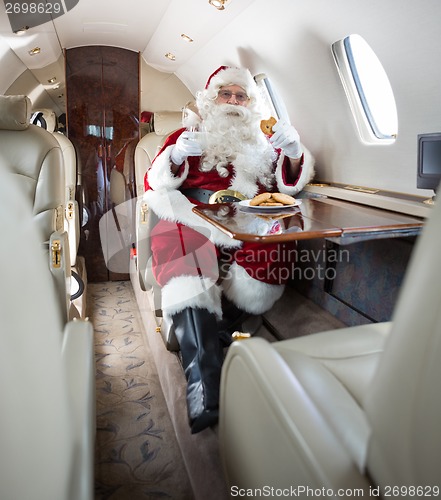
{"type": "Point", "coordinates": [331, 392]}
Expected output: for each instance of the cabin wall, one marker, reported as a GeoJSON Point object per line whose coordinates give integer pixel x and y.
{"type": "Point", "coordinates": [27, 84]}
{"type": "Point", "coordinates": [15, 67]}
{"type": "Point", "coordinates": [357, 283]}
{"type": "Point", "coordinates": [291, 42]}
{"type": "Point", "coordinates": [161, 91]}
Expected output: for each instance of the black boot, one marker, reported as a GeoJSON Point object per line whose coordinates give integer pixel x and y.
{"type": "Point", "coordinates": [197, 334]}
{"type": "Point", "coordinates": [232, 319]}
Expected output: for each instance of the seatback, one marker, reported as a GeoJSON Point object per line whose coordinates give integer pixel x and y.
{"type": "Point", "coordinates": [33, 157]}
{"type": "Point", "coordinates": [403, 404]}
{"type": "Point", "coordinates": [164, 123]}
{"type": "Point", "coordinates": [72, 219]}
{"type": "Point", "coordinates": [43, 454]}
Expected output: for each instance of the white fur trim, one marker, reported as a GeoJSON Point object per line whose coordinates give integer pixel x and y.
{"type": "Point", "coordinates": [234, 76]}
{"type": "Point", "coordinates": [250, 168]}
{"type": "Point", "coordinates": [306, 174]}
{"type": "Point", "coordinates": [182, 292]}
{"type": "Point", "coordinates": [249, 294]}
{"type": "Point", "coordinates": [174, 206]}
{"type": "Point", "coordinates": [160, 175]}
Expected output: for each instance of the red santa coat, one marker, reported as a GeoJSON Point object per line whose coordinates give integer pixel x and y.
{"type": "Point", "coordinates": [186, 248]}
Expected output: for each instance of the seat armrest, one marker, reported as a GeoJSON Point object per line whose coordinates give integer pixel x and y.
{"type": "Point", "coordinates": [350, 354]}
{"type": "Point", "coordinates": [143, 252]}
{"type": "Point", "coordinates": [59, 264]}
{"type": "Point", "coordinates": [72, 227]}
{"type": "Point", "coordinates": [79, 361]}
{"type": "Point", "coordinates": [272, 431]}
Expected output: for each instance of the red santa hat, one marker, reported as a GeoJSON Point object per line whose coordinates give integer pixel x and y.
{"type": "Point", "coordinates": [226, 75]}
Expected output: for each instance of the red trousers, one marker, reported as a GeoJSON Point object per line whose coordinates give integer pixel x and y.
{"type": "Point", "coordinates": [181, 251]}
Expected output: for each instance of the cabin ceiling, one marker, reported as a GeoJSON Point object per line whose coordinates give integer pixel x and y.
{"type": "Point", "coordinates": [290, 40]}
{"type": "Point", "coordinates": [150, 27]}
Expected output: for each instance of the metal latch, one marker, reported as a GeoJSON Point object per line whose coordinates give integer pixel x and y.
{"type": "Point", "coordinates": [240, 335]}
{"type": "Point", "coordinates": [70, 210]}
{"type": "Point", "coordinates": [144, 212]}
{"type": "Point", "coordinates": [56, 253]}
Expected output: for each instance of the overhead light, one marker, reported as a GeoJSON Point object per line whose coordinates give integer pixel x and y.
{"type": "Point", "coordinates": [34, 51]}
{"type": "Point", "coordinates": [170, 56]}
{"type": "Point", "coordinates": [21, 31]}
{"type": "Point", "coordinates": [219, 4]}
{"type": "Point", "coordinates": [53, 79]}
{"type": "Point", "coordinates": [186, 38]}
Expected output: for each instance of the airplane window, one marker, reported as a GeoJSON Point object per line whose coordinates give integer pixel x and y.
{"type": "Point", "coordinates": [368, 90]}
{"type": "Point", "coordinates": [274, 105]}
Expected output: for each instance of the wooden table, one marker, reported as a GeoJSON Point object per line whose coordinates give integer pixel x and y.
{"type": "Point", "coordinates": [341, 221]}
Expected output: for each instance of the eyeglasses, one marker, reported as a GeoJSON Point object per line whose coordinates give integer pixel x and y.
{"type": "Point", "coordinates": [226, 95]}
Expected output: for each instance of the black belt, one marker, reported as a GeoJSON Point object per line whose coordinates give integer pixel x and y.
{"type": "Point", "coordinates": [202, 195]}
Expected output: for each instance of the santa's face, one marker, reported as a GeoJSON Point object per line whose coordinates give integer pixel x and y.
{"type": "Point", "coordinates": [232, 94]}
{"type": "Point", "coordinates": [227, 117]}
{"type": "Point", "coordinates": [232, 124]}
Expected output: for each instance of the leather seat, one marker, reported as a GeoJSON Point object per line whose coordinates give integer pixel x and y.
{"type": "Point", "coordinates": [48, 121]}
{"type": "Point", "coordinates": [34, 159]}
{"type": "Point", "coordinates": [164, 123]}
{"type": "Point", "coordinates": [358, 407]}
{"type": "Point", "coordinates": [47, 372]}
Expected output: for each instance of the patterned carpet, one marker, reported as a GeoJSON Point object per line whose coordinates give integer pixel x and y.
{"type": "Point", "coordinates": [137, 455]}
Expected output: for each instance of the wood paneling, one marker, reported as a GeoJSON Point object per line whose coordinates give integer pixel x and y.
{"type": "Point", "coordinates": [102, 122]}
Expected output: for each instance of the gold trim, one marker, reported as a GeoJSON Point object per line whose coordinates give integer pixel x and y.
{"type": "Point", "coordinates": [220, 196]}
{"type": "Point", "coordinates": [56, 253]}
{"type": "Point", "coordinates": [240, 335]}
{"type": "Point", "coordinates": [144, 211]}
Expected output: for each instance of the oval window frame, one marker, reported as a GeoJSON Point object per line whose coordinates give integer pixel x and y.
{"type": "Point", "coordinates": [356, 85]}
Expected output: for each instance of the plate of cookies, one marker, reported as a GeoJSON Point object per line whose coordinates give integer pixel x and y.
{"type": "Point", "coordinates": [270, 202]}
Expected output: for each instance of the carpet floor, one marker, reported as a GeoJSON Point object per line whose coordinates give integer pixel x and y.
{"type": "Point", "coordinates": [137, 455]}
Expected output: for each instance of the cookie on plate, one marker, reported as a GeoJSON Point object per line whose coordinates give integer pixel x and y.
{"type": "Point", "coordinates": [283, 198]}
{"type": "Point", "coordinates": [260, 198]}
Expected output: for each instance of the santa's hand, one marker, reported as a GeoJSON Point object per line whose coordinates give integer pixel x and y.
{"type": "Point", "coordinates": [185, 146]}
{"type": "Point", "coordinates": [286, 138]}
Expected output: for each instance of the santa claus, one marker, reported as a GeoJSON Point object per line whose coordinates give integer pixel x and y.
{"type": "Point", "coordinates": [229, 151]}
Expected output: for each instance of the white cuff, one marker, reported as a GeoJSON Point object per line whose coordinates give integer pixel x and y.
{"type": "Point", "coordinates": [160, 176]}
{"type": "Point", "coordinates": [182, 292]}
{"type": "Point", "coordinates": [249, 294]}
{"type": "Point", "coordinates": [306, 174]}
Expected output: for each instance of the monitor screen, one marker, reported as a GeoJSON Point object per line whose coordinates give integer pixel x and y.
{"type": "Point", "coordinates": [429, 161]}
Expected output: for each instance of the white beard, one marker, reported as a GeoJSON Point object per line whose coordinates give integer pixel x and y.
{"type": "Point", "coordinates": [234, 136]}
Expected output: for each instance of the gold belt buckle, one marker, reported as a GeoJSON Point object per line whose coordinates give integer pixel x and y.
{"type": "Point", "coordinates": [225, 196]}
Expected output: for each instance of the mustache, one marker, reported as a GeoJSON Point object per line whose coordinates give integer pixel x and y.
{"type": "Point", "coordinates": [233, 110]}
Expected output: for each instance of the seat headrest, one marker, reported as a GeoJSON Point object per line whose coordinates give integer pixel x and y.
{"type": "Point", "coordinates": [166, 122]}
{"type": "Point", "coordinates": [15, 112]}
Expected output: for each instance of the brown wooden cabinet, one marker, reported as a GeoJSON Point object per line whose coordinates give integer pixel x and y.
{"type": "Point", "coordinates": [103, 124]}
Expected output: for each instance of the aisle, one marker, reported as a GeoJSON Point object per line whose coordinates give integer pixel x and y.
{"type": "Point", "coordinates": [137, 455]}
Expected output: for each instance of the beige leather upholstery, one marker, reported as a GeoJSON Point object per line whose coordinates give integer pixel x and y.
{"type": "Point", "coordinates": [46, 368]}
{"type": "Point", "coordinates": [164, 122]}
{"type": "Point", "coordinates": [119, 192]}
{"type": "Point", "coordinates": [71, 211]}
{"type": "Point", "coordinates": [34, 159]}
{"type": "Point", "coordinates": [353, 408]}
